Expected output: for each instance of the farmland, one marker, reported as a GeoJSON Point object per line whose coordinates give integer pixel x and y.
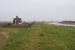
{"type": "Point", "coordinates": [40, 37]}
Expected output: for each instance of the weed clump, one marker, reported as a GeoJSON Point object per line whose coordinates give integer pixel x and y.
{"type": "Point", "coordinates": [41, 34]}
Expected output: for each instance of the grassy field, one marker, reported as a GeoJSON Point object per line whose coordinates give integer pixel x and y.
{"type": "Point", "coordinates": [41, 37]}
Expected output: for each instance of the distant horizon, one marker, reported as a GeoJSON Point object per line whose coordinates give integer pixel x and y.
{"type": "Point", "coordinates": [38, 21]}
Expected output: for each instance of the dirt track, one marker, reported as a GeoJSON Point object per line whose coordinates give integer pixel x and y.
{"type": "Point", "coordinates": [3, 37]}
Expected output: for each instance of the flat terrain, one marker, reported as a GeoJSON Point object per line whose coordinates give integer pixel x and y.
{"type": "Point", "coordinates": [40, 37]}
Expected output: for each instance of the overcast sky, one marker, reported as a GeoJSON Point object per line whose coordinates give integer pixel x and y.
{"type": "Point", "coordinates": [37, 10]}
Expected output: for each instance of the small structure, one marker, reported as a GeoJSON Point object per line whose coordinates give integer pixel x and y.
{"type": "Point", "coordinates": [17, 20]}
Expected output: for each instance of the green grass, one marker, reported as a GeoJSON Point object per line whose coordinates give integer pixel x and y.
{"type": "Point", "coordinates": [54, 38]}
